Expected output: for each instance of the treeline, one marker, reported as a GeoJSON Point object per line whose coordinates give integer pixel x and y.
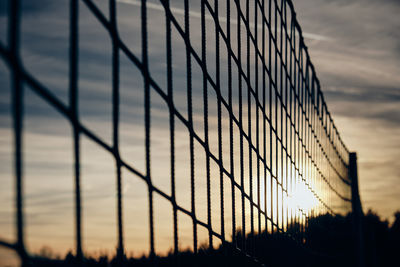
{"type": "Point", "coordinates": [326, 241]}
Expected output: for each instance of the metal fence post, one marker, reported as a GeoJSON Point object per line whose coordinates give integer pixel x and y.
{"type": "Point", "coordinates": [357, 213]}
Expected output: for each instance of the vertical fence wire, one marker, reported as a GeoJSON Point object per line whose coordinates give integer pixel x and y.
{"type": "Point", "coordinates": [17, 103]}
{"type": "Point", "coordinates": [73, 83]}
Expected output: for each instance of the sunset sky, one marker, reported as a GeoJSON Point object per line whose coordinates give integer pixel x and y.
{"type": "Point", "coordinates": [359, 68]}
{"type": "Point", "coordinates": [354, 45]}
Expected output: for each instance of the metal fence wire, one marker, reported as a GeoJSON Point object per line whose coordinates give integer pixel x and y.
{"type": "Point", "coordinates": [276, 142]}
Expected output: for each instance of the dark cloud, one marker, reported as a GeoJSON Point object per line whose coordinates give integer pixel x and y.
{"type": "Point", "coordinates": [29, 7]}
{"type": "Point", "coordinates": [3, 8]}
{"type": "Point", "coordinates": [33, 6]}
{"type": "Point", "coordinates": [389, 117]}
{"type": "Point", "coordinates": [368, 102]}
{"type": "Point", "coordinates": [364, 94]}
{"type": "Point", "coordinates": [377, 114]}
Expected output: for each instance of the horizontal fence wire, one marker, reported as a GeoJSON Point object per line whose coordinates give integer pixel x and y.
{"type": "Point", "coordinates": [278, 159]}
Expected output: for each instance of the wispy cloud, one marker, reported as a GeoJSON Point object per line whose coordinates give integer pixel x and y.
{"type": "Point", "coordinates": [196, 14]}
{"type": "Point", "coordinates": [359, 73]}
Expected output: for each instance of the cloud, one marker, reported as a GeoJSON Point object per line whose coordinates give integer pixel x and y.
{"type": "Point", "coordinates": [358, 71]}
{"type": "Point", "coordinates": [45, 54]}
{"type": "Point", "coordinates": [29, 7]}
{"type": "Point", "coordinates": [197, 14]}
{"type": "Point", "coordinates": [367, 94]}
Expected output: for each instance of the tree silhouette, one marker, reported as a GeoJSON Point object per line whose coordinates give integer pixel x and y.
{"type": "Point", "coordinates": [328, 241]}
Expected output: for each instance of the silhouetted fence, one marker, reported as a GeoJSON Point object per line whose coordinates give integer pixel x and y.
{"type": "Point", "coordinates": [251, 106]}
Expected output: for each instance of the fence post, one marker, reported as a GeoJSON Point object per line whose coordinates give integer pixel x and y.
{"type": "Point", "coordinates": [357, 213]}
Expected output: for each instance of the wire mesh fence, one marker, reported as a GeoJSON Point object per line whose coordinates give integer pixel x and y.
{"type": "Point", "coordinates": [235, 134]}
